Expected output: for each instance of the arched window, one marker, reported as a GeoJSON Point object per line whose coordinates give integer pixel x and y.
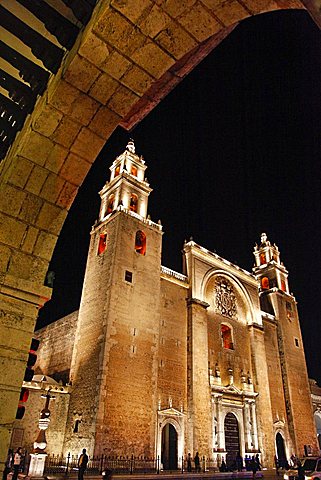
{"type": "Point", "coordinates": [227, 338]}
{"type": "Point", "coordinates": [110, 204]}
{"type": "Point", "coordinates": [262, 258]}
{"type": "Point", "coordinates": [140, 242]}
{"type": "Point", "coordinates": [283, 286]}
{"type": "Point", "coordinates": [102, 243]}
{"type": "Point", "coordinates": [133, 202]}
{"type": "Point", "coordinates": [133, 170]}
{"type": "Point", "coordinates": [265, 283]}
{"type": "Point", "coordinates": [117, 170]}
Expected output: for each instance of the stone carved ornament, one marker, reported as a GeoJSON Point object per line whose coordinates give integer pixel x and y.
{"type": "Point", "coordinates": [225, 300]}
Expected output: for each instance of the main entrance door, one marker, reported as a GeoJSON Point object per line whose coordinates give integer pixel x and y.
{"type": "Point", "coordinates": [232, 439]}
{"type": "Point", "coordinates": [169, 447]}
{"type": "Point", "coordinates": [281, 451]}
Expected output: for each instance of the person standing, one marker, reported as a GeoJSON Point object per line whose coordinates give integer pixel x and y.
{"type": "Point", "coordinates": [82, 464]}
{"type": "Point", "coordinates": [258, 463]}
{"type": "Point", "coordinates": [253, 466]}
{"type": "Point", "coordinates": [8, 464]}
{"type": "Point", "coordinates": [189, 463]}
{"type": "Point", "coordinates": [197, 463]}
{"type": "Point", "coordinates": [16, 463]}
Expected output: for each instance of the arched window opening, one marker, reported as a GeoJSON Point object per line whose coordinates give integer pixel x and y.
{"type": "Point", "coordinates": [117, 170]}
{"type": "Point", "coordinates": [227, 338]}
{"type": "Point", "coordinates": [265, 283]}
{"type": "Point", "coordinates": [262, 258]}
{"type": "Point", "coordinates": [283, 286]}
{"type": "Point", "coordinates": [102, 243]}
{"type": "Point", "coordinates": [110, 204]}
{"type": "Point", "coordinates": [133, 202]}
{"type": "Point", "coordinates": [140, 242]}
{"type": "Point", "coordinates": [133, 170]}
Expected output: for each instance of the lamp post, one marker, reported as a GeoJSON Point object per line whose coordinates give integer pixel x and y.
{"type": "Point", "coordinates": [38, 456]}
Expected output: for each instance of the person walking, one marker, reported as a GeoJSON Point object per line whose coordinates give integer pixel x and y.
{"type": "Point", "coordinates": [253, 467]}
{"type": "Point", "coordinates": [16, 463]}
{"type": "Point", "coordinates": [301, 471]}
{"type": "Point", "coordinates": [258, 463]}
{"type": "Point", "coordinates": [82, 464]}
{"type": "Point", "coordinates": [197, 463]}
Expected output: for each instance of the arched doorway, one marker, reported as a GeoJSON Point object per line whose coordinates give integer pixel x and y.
{"type": "Point", "coordinates": [280, 450]}
{"type": "Point", "coordinates": [232, 438]}
{"type": "Point", "coordinates": [169, 447]}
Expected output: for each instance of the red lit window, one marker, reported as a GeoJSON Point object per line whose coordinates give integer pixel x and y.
{"type": "Point", "coordinates": [283, 286]}
{"type": "Point", "coordinates": [140, 242]}
{"type": "Point", "coordinates": [117, 171]}
{"type": "Point", "coordinates": [133, 170]}
{"type": "Point", "coordinates": [262, 258]}
{"type": "Point", "coordinates": [110, 204]}
{"type": "Point", "coordinates": [265, 284]}
{"type": "Point", "coordinates": [102, 243]}
{"type": "Point", "coordinates": [133, 202]}
{"type": "Point", "coordinates": [226, 332]}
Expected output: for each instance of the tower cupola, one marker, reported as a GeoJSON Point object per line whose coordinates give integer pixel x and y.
{"type": "Point", "coordinates": [268, 268]}
{"type": "Point", "coordinates": [127, 188]}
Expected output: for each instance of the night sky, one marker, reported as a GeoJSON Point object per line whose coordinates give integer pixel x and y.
{"type": "Point", "coordinates": [232, 152]}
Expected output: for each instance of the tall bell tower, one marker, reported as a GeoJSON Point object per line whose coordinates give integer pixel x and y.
{"type": "Point", "coordinates": [115, 359]}
{"type": "Point", "coordinates": [288, 377]}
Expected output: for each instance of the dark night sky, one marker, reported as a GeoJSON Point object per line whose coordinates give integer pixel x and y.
{"type": "Point", "coordinates": [233, 151]}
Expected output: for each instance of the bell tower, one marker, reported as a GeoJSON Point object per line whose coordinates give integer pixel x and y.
{"type": "Point", "coordinates": [115, 358]}
{"type": "Point", "coordinates": [288, 377]}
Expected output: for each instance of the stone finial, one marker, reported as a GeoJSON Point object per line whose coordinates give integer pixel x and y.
{"type": "Point", "coordinates": [263, 237]}
{"type": "Point", "coordinates": [131, 146]}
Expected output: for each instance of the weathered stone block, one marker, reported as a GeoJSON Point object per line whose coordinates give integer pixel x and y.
{"type": "Point", "coordinates": [75, 169]}
{"type": "Point", "coordinates": [84, 109]}
{"type": "Point", "coordinates": [45, 245]}
{"type": "Point", "coordinates": [20, 171]}
{"type": "Point", "coordinates": [132, 9]}
{"type": "Point", "coordinates": [66, 132]}
{"type": "Point", "coordinates": [175, 40]}
{"type": "Point", "coordinates": [56, 158]}
{"type": "Point", "coordinates": [104, 122]}
{"type": "Point", "coordinates": [116, 65]}
{"type": "Point", "coordinates": [228, 13]}
{"type": "Point", "coordinates": [29, 239]}
{"type": "Point", "coordinates": [52, 187]}
{"type": "Point", "coordinates": [94, 49]}
{"type": "Point", "coordinates": [87, 144]}
{"type": "Point", "coordinates": [81, 73]}
{"type": "Point", "coordinates": [199, 23]}
{"type": "Point", "coordinates": [11, 230]}
{"type": "Point", "coordinates": [36, 179]}
{"type": "Point", "coordinates": [153, 59]}
{"type": "Point", "coordinates": [154, 22]}
{"type": "Point", "coordinates": [67, 196]}
{"type": "Point", "coordinates": [137, 80]}
{"type": "Point", "coordinates": [47, 121]}
{"type": "Point", "coordinates": [51, 218]}
{"type": "Point", "coordinates": [122, 101]}
{"type": "Point", "coordinates": [113, 27]}
{"type": "Point", "coordinates": [63, 96]}
{"type": "Point", "coordinates": [37, 148]}
{"type": "Point", "coordinates": [176, 9]}
{"type": "Point", "coordinates": [11, 199]}
{"type": "Point", "coordinates": [103, 88]}
{"type": "Point", "coordinates": [30, 208]}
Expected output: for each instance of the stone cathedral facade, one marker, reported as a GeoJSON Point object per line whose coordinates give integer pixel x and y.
{"type": "Point", "coordinates": [163, 363]}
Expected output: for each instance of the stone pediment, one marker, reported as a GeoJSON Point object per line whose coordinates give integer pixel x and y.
{"type": "Point", "coordinates": [233, 390]}
{"type": "Point", "coordinates": [172, 412]}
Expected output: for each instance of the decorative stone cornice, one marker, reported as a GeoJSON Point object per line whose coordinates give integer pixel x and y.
{"type": "Point", "coordinates": [196, 301]}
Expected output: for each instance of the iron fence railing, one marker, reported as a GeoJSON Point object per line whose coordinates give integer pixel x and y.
{"type": "Point", "coordinates": [67, 465]}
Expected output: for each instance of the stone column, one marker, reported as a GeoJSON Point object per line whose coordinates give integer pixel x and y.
{"type": "Point", "coordinates": [19, 304]}
{"type": "Point", "coordinates": [199, 397]}
{"type": "Point", "coordinates": [247, 429]}
{"type": "Point", "coordinates": [254, 426]}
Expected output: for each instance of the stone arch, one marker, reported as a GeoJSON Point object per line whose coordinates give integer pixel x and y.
{"type": "Point", "coordinates": [178, 424]}
{"type": "Point", "coordinates": [124, 62]}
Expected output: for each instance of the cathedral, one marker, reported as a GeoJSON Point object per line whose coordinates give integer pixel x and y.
{"type": "Point", "coordinates": [160, 363]}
